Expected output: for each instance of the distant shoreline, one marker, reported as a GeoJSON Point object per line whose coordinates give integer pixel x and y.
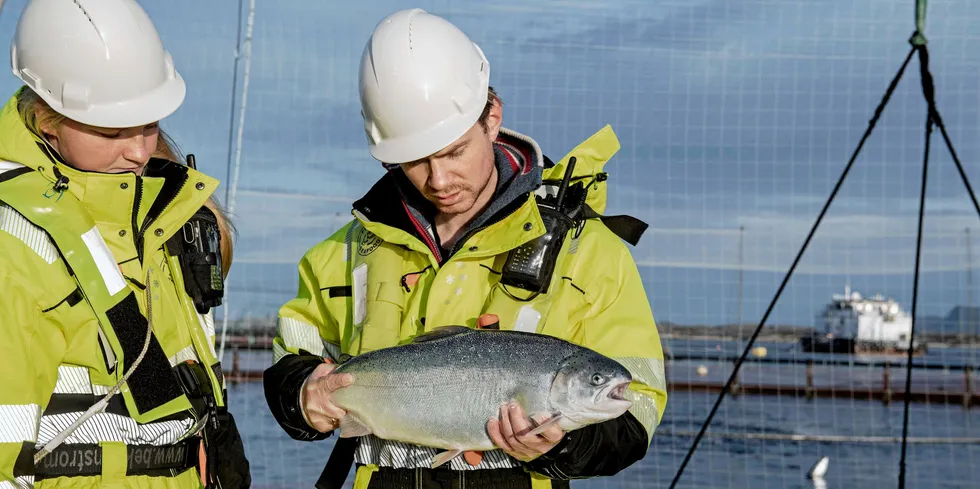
{"type": "Point", "coordinates": [761, 338]}
{"type": "Point", "coordinates": [777, 333]}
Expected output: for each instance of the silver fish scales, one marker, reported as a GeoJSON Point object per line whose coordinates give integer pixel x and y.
{"type": "Point", "coordinates": [442, 388]}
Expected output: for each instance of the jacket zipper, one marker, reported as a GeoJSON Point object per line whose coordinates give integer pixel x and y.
{"type": "Point", "coordinates": [137, 234]}
{"type": "Point", "coordinates": [140, 231]}
{"type": "Point", "coordinates": [170, 200]}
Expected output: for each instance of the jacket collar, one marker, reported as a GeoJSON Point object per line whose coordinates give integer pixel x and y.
{"type": "Point", "coordinates": [118, 200]}
{"type": "Point", "coordinates": [395, 210]}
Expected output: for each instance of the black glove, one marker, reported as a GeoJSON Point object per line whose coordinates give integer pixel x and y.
{"type": "Point", "coordinates": [226, 454]}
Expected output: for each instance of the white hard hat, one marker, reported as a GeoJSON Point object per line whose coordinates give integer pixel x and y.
{"type": "Point", "coordinates": [423, 84]}
{"type": "Point", "coordinates": [98, 62]}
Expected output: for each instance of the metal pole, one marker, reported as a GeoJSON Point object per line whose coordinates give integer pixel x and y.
{"type": "Point", "coordinates": [970, 312]}
{"type": "Point", "coordinates": [241, 114]}
{"type": "Point", "coordinates": [231, 112]}
{"type": "Point", "coordinates": [741, 262]}
{"type": "Point", "coordinates": [238, 149]}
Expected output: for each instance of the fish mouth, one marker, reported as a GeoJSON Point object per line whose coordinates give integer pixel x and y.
{"type": "Point", "coordinates": [619, 391]}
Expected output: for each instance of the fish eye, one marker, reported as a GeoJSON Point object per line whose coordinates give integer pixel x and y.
{"type": "Point", "coordinates": [598, 379]}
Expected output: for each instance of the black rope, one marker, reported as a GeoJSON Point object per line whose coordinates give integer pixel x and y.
{"type": "Point", "coordinates": [938, 120]}
{"type": "Point", "coordinates": [927, 89]}
{"type": "Point", "coordinates": [789, 273]}
{"type": "Point", "coordinates": [933, 117]}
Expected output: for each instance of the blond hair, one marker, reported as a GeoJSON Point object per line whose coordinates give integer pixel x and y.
{"type": "Point", "coordinates": [36, 113]}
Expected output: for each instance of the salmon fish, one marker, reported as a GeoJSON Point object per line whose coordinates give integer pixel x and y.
{"type": "Point", "coordinates": [442, 388]}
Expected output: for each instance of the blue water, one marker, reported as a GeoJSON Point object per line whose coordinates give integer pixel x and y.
{"type": "Point", "coordinates": [278, 461]}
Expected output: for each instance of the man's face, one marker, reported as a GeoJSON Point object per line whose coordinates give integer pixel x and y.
{"type": "Point", "coordinates": [457, 179]}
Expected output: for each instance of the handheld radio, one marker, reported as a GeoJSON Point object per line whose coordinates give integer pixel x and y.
{"type": "Point", "coordinates": [531, 265]}
{"type": "Point", "coordinates": [197, 247]}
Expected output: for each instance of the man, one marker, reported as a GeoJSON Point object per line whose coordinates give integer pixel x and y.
{"type": "Point", "coordinates": [437, 241]}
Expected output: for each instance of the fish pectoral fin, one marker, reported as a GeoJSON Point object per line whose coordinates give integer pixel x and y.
{"type": "Point", "coordinates": [351, 427]}
{"type": "Point", "coordinates": [441, 332]}
{"type": "Point", "coordinates": [547, 424]}
{"type": "Point", "coordinates": [443, 457]}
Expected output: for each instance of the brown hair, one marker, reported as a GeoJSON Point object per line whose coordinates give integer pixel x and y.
{"type": "Point", "coordinates": [491, 98]}
{"type": "Point", "coordinates": [36, 113]}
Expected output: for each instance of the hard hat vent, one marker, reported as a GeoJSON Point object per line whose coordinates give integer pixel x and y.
{"type": "Point", "coordinates": [84, 12]}
{"type": "Point", "coordinates": [411, 23]}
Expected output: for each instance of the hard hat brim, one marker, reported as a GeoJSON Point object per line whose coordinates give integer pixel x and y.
{"type": "Point", "coordinates": [150, 107]}
{"type": "Point", "coordinates": [414, 147]}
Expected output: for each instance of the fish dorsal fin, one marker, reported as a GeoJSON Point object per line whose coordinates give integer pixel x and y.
{"type": "Point", "coordinates": [441, 332]}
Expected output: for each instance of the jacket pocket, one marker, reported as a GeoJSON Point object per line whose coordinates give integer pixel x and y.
{"type": "Point", "coordinates": [383, 316]}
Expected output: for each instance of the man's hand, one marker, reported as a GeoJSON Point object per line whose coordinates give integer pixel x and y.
{"type": "Point", "coordinates": [510, 433]}
{"type": "Point", "coordinates": [318, 409]}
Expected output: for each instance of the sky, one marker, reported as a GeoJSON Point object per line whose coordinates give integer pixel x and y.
{"type": "Point", "coordinates": [737, 113]}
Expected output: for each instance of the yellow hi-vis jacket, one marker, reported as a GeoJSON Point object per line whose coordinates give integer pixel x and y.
{"type": "Point", "coordinates": [371, 285]}
{"type": "Point", "coordinates": [74, 256]}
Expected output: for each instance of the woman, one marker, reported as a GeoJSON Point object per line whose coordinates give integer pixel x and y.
{"type": "Point", "coordinates": [112, 255]}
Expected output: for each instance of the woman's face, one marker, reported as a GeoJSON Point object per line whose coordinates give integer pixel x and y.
{"type": "Point", "coordinates": [104, 150]}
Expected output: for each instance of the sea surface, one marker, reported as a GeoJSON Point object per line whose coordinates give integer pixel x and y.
{"type": "Point", "coordinates": [944, 439]}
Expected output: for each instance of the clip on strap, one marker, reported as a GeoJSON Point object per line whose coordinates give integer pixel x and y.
{"type": "Point", "coordinates": [627, 227]}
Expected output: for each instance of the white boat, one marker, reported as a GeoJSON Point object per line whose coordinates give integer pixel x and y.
{"type": "Point", "coordinates": [851, 323]}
